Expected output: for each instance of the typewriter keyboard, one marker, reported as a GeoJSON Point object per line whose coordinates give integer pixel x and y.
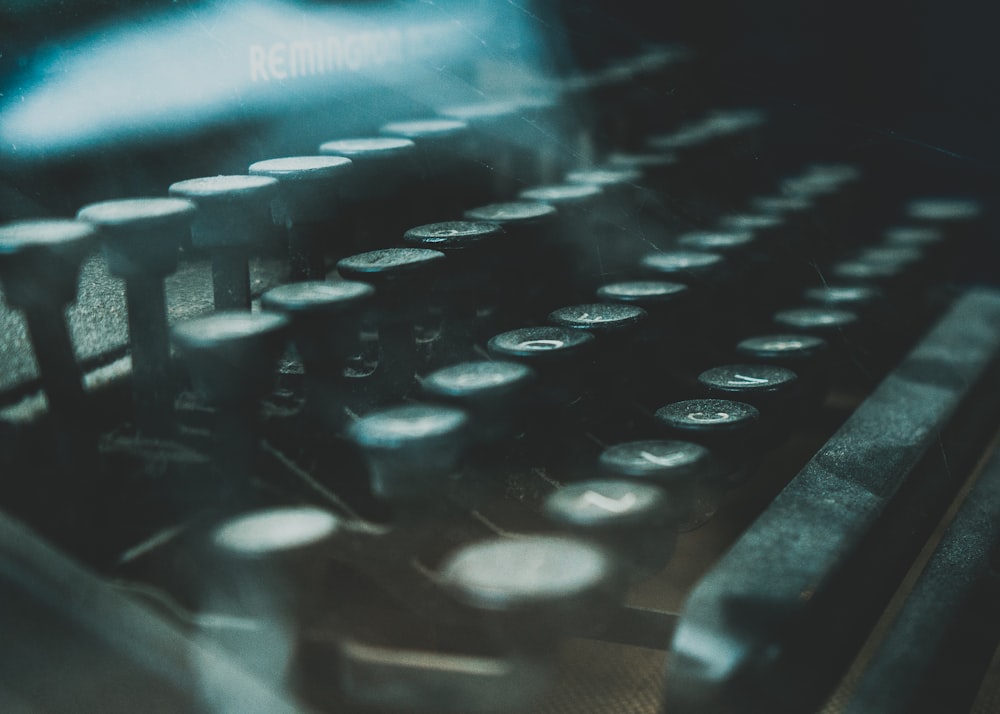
{"type": "Point", "coordinates": [455, 417]}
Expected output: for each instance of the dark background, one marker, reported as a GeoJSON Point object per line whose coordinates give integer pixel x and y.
{"type": "Point", "coordinates": [910, 87]}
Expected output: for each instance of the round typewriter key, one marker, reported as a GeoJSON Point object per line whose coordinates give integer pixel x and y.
{"type": "Point", "coordinates": [944, 209]}
{"type": "Point", "coordinates": [635, 521]}
{"type": "Point", "coordinates": [453, 235]}
{"type": "Point", "coordinates": [270, 562]}
{"type": "Point", "coordinates": [683, 469]}
{"type": "Point", "coordinates": [536, 586]}
{"type": "Point", "coordinates": [326, 319]}
{"type": "Point", "coordinates": [412, 450]}
{"type": "Point", "coordinates": [755, 384]}
{"type": "Point", "coordinates": [492, 392]}
{"type": "Point", "coordinates": [559, 355]}
{"type": "Point", "coordinates": [820, 321]}
{"type": "Point", "coordinates": [650, 295]}
{"type": "Point", "coordinates": [141, 238]}
{"type": "Point", "coordinates": [230, 357]}
{"type": "Point", "coordinates": [562, 196]}
{"type": "Point", "coordinates": [599, 318]}
{"type": "Point", "coordinates": [806, 355]}
{"type": "Point", "coordinates": [605, 178]}
{"type": "Point", "coordinates": [310, 197]}
{"type": "Point", "coordinates": [381, 164]}
{"type": "Point", "coordinates": [729, 429]}
{"type": "Point", "coordinates": [384, 167]}
{"type": "Point", "coordinates": [913, 236]}
{"type": "Point", "coordinates": [725, 242]}
{"type": "Point", "coordinates": [234, 215]}
{"type": "Point", "coordinates": [685, 266]}
{"type": "Point", "coordinates": [39, 268]}
{"type": "Point", "coordinates": [541, 345]}
{"type": "Point", "coordinates": [529, 228]}
{"type": "Point", "coordinates": [386, 266]}
{"type": "Point", "coordinates": [514, 216]}
{"type": "Point", "coordinates": [859, 299]}
{"type": "Point", "coordinates": [308, 186]}
{"type": "Point", "coordinates": [772, 389]}
{"type": "Point", "coordinates": [402, 278]}
{"type": "Point", "coordinates": [466, 292]}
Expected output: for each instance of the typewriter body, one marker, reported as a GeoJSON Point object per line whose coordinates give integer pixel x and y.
{"type": "Point", "coordinates": [480, 357]}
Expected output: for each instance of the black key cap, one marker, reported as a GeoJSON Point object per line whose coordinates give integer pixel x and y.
{"type": "Point", "coordinates": [233, 218]}
{"type": "Point", "coordinates": [141, 238]}
{"type": "Point", "coordinates": [465, 291]}
{"type": "Point", "coordinates": [537, 588]}
{"type": "Point", "coordinates": [401, 277]}
{"type": "Point", "coordinates": [494, 393]}
{"type": "Point", "coordinates": [773, 390]}
{"type": "Point", "coordinates": [310, 206]}
{"type": "Point", "coordinates": [326, 320]}
{"type": "Point", "coordinates": [231, 358]}
{"type": "Point", "coordinates": [412, 452]}
{"type": "Point", "coordinates": [384, 168]}
{"type": "Point", "coordinates": [39, 268]}
{"type": "Point", "coordinates": [806, 355]}
{"type": "Point", "coordinates": [729, 429]}
{"type": "Point", "coordinates": [632, 520]}
{"type": "Point", "coordinates": [685, 470]}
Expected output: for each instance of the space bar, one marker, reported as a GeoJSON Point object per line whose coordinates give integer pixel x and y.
{"type": "Point", "coordinates": [815, 524]}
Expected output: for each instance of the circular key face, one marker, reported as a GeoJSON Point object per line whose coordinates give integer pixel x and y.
{"type": "Point", "coordinates": [514, 213]}
{"type": "Point", "coordinates": [54, 236]}
{"type": "Point", "coordinates": [915, 236]}
{"type": "Point", "coordinates": [605, 177]}
{"type": "Point", "coordinates": [478, 380]}
{"type": "Point", "coordinates": [663, 462]}
{"type": "Point", "coordinates": [526, 573]}
{"type": "Point", "coordinates": [781, 205]}
{"type": "Point", "coordinates": [785, 347]}
{"type": "Point", "coordinates": [313, 297]}
{"type": "Point", "coordinates": [302, 168]}
{"type": "Point", "coordinates": [275, 531]}
{"type": "Point", "coordinates": [453, 235]}
{"type": "Point", "coordinates": [483, 112]}
{"type": "Point", "coordinates": [708, 416]}
{"type": "Point", "coordinates": [376, 148]}
{"type": "Point", "coordinates": [685, 138]}
{"type": "Point", "coordinates": [643, 292]}
{"type": "Point", "coordinates": [598, 317]}
{"type": "Point", "coordinates": [239, 188]}
{"type": "Point", "coordinates": [903, 255]}
{"type": "Point", "coordinates": [423, 129]}
{"type": "Point", "coordinates": [643, 161]}
{"type": "Point", "coordinates": [815, 319]}
{"type": "Point", "coordinates": [943, 209]}
{"type": "Point", "coordinates": [750, 222]}
{"type": "Point", "coordinates": [139, 213]}
{"type": "Point", "coordinates": [230, 328]}
{"type": "Point", "coordinates": [863, 270]}
{"type": "Point", "coordinates": [409, 424]}
{"type": "Point", "coordinates": [388, 262]}
{"type": "Point", "coordinates": [682, 264]}
{"type": "Point", "coordinates": [604, 504]}
{"type": "Point", "coordinates": [562, 194]}
{"type": "Point", "coordinates": [540, 344]}
{"type": "Point", "coordinates": [747, 379]}
{"type": "Point", "coordinates": [716, 241]}
{"type": "Point", "coordinates": [843, 296]}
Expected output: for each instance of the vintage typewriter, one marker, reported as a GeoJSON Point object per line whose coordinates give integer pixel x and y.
{"type": "Point", "coordinates": [388, 357]}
